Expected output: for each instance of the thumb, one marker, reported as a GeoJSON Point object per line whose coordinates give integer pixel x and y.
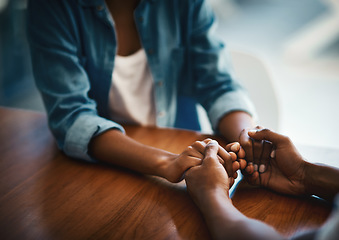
{"type": "Point", "coordinates": [266, 134]}
{"type": "Point", "coordinates": [211, 153]}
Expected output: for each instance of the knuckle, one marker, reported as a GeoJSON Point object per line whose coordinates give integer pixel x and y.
{"type": "Point", "coordinates": [194, 145]}
{"type": "Point", "coordinates": [286, 138]}
{"type": "Point", "coordinates": [213, 146]}
{"type": "Point", "coordinates": [209, 147]}
{"type": "Point", "coordinates": [197, 144]}
{"type": "Point", "coordinates": [189, 149]}
{"type": "Point", "coordinates": [265, 130]}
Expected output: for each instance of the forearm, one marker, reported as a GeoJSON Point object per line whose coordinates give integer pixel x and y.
{"type": "Point", "coordinates": [116, 148]}
{"type": "Point", "coordinates": [233, 123]}
{"type": "Point", "coordinates": [321, 180]}
{"type": "Point", "coordinates": [224, 221]}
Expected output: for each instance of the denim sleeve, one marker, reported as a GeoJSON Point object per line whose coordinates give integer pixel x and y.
{"type": "Point", "coordinates": [215, 88]}
{"type": "Point", "coordinates": [80, 133]}
{"type": "Point", "coordinates": [61, 78]}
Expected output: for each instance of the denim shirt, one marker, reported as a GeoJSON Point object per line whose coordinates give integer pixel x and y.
{"type": "Point", "coordinates": [73, 45]}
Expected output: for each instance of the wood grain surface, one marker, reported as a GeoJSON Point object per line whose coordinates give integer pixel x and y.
{"type": "Point", "coordinates": [46, 195]}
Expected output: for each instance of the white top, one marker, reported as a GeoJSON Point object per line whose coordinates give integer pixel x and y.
{"type": "Point", "coordinates": [131, 98]}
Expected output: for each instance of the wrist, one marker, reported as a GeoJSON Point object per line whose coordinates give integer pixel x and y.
{"type": "Point", "coordinates": [321, 180]}
{"type": "Point", "coordinates": [212, 198]}
{"type": "Point", "coordinates": [165, 164]}
{"type": "Point", "coordinates": [309, 178]}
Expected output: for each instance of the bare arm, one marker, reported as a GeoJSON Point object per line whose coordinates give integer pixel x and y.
{"type": "Point", "coordinates": [231, 125]}
{"type": "Point", "coordinates": [225, 221]}
{"type": "Point", "coordinates": [322, 181]}
{"type": "Point", "coordinates": [116, 148]}
{"type": "Point", "coordinates": [208, 186]}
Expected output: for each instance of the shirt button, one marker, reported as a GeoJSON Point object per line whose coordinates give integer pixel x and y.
{"type": "Point", "coordinates": [161, 114]}
{"type": "Point", "coordinates": [100, 7]}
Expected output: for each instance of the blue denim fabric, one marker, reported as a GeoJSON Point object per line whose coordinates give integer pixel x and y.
{"type": "Point", "coordinates": [73, 45]}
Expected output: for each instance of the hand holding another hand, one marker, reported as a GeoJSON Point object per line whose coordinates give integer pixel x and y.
{"type": "Point", "coordinates": [192, 156]}
{"type": "Point", "coordinates": [209, 177]}
{"type": "Point", "coordinates": [285, 169]}
{"type": "Point", "coordinates": [257, 152]}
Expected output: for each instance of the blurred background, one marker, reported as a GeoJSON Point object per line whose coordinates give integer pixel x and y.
{"type": "Point", "coordinates": [296, 42]}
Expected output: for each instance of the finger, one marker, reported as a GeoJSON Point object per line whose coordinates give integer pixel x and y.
{"type": "Point", "coordinates": [199, 146]}
{"type": "Point", "coordinates": [225, 155]}
{"type": "Point", "coordinates": [253, 178]}
{"type": "Point", "coordinates": [228, 165]}
{"type": "Point", "coordinates": [242, 163]}
{"type": "Point", "coordinates": [236, 148]}
{"type": "Point", "coordinates": [246, 144]}
{"type": "Point", "coordinates": [257, 152]}
{"type": "Point", "coordinates": [207, 140]}
{"type": "Point", "coordinates": [233, 156]}
{"type": "Point", "coordinates": [193, 152]}
{"type": "Point", "coordinates": [249, 168]}
{"type": "Point", "coordinates": [266, 134]}
{"type": "Point", "coordinates": [235, 166]}
{"type": "Point", "coordinates": [211, 152]}
{"type": "Point", "coordinates": [241, 153]}
{"type": "Point", "coordinates": [190, 163]}
{"type": "Point", "coordinates": [265, 156]}
{"type": "Point", "coordinates": [221, 160]}
{"type": "Point", "coordinates": [233, 147]}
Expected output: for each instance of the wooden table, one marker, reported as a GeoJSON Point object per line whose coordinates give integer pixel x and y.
{"type": "Point", "coordinates": [46, 195]}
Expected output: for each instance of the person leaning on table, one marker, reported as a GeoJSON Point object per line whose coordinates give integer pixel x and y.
{"type": "Point", "coordinates": [99, 64]}
{"type": "Point", "coordinates": [286, 173]}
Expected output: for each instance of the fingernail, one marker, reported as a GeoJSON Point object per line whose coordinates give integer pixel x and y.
{"type": "Point", "coordinates": [235, 147]}
{"type": "Point", "coordinates": [252, 131]}
{"type": "Point", "coordinates": [255, 167]}
{"type": "Point", "coordinates": [272, 155]}
{"type": "Point", "coordinates": [262, 168]}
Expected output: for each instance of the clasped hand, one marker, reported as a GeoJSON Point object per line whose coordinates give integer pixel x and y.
{"type": "Point", "coordinates": [265, 158]}
{"type": "Point", "coordinates": [192, 156]}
